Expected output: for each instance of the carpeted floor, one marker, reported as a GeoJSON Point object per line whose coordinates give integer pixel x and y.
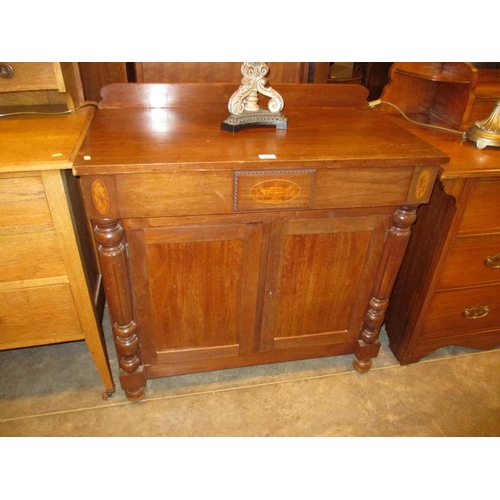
{"type": "Point", "coordinates": [56, 391]}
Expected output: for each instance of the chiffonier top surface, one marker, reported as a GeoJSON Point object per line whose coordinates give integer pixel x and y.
{"type": "Point", "coordinates": [41, 142]}
{"type": "Point", "coordinates": [325, 130]}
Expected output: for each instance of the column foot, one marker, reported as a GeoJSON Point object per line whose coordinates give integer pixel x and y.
{"type": "Point", "coordinates": [362, 362]}
{"type": "Point", "coordinates": [135, 396]}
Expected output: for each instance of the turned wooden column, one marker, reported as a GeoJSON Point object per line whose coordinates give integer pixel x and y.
{"type": "Point", "coordinates": [112, 250]}
{"type": "Point", "coordinates": [392, 256]}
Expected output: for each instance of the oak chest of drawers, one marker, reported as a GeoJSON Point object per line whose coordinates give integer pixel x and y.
{"type": "Point", "coordinates": [40, 83]}
{"type": "Point", "coordinates": [222, 250]}
{"type": "Point", "coordinates": [49, 277]}
{"type": "Point", "coordinates": [448, 290]}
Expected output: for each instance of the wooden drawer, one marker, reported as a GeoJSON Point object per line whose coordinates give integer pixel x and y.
{"type": "Point", "coordinates": [472, 260]}
{"type": "Point", "coordinates": [356, 187]}
{"type": "Point", "coordinates": [28, 240]}
{"type": "Point", "coordinates": [38, 316]}
{"type": "Point", "coordinates": [29, 252]}
{"type": "Point", "coordinates": [22, 76]}
{"type": "Point", "coordinates": [190, 193]}
{"type": "Point", "coordinates": [482, 213]}
{"type": "Point", "coordinates": [23, 201]}
{"type": "Point", "coordinates": [218, 192]}
{"type": "Point", "coordinates": [446, 316]}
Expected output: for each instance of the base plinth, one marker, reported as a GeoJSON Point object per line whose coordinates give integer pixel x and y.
{"type": "Point", "coordinates": [261, 118]}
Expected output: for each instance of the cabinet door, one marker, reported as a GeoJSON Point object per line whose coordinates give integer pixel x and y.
{"type": "Point", "coordinates": [195, 290]}
{"type": "Point", "coordinates": [319, 280]}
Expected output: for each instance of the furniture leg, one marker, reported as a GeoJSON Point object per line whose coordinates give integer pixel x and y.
{"type": "Point", "coordinates": [394, 249]}
{"type": "Point", "coordinates": [112, 250]}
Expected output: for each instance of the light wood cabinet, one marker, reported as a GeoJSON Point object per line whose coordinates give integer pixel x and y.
{"type": "Point", "coordinates": [41, 84]}
{"type": "Point", "coordinates": [50, 288]}
{"type": "Point", "coordinates": [214, 258]}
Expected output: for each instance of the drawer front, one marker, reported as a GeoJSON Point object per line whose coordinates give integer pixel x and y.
{"type": "Point", "coordinates": [29, 253]}
{"type": "Point", "coordinates": [482, 213]}
{"type": "Point", "coordinates": [21, 76]}
{"type": "Point", "coordinates": [27, 317]}
{"type": "Point", "coordinates": [28, 240]}
{"type": "Point", "coordinates": [23, 201]}
{"type": "Point", "coordinates": [463, 311]}
{"type": "Point", "coordinates": [219, 192]}
{"type": "Point", "coordinates": [472, 260]}
{"type": "Point", "coordinates": [190, 193]}
{"type": "Point", "coordinates": [358, 187]}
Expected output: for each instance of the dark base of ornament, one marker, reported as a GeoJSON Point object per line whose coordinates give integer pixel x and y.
{"type": "Point", "coordinates": [235, 123]}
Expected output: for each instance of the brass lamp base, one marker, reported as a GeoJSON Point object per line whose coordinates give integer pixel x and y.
{"type": "Point", "coordinates": [486, 132]}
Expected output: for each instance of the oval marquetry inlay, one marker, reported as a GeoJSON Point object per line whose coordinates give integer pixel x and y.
{"type": "Point", "coordinates": [100, 197]}
{"type": "Point", "coordinates": [275, 191]}
{"type": "Point", "coordinates": [422, 184]}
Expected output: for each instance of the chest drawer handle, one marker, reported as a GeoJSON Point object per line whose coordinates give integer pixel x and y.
{"type": "Point", "coordinates": [493, 262]}
{"type": "Point", "coordinates": [6, 70]}
{"type": "Point", "coordinates": [476, 312]}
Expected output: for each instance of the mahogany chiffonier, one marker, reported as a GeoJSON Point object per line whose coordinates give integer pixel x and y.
{"type": "Point", "coordinates": [448, 289]}
{"type": "Point", "coordinates": [49, 274]}
{"type": "Point", "coordinates": [221, 250]}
